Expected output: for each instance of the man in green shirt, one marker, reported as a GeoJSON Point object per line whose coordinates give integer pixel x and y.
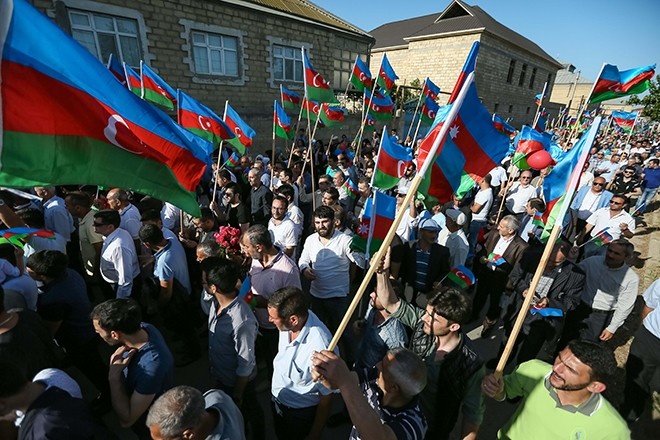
{"type": "Point", "coordinates": [561, 401]}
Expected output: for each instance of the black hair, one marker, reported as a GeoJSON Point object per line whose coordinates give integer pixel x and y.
{"type": "Point", "coordinates": [150, 215]}
{"type": "Point", "coordinates": [33, 218]}
{"type": "Point", "coordinates": [333, 192]}
{"type": "Point", "coordinates": [289, 301]}
{"type": "Point", "coordinates": [221, 273]}
{"type": "Point", "coordinates": [453, 305]}
{"type": "Point", "coordinates": [597, 357]}
{"type": "Point", "coordinates": [12, 378]}
{"type": "Point", "coordinates": [118, 314]}
{"type": "Point", "coordinates": [151, 234]}
{"type": "Point", "coordinates": [79, 198]}
{"type": "Point", "coordinates": [259, 234]}
{"type": "Point", "coordinates": [325, 212]}
{"type": "Point", "coordinates": [206, 214]}
{"type": "Point", "coordinates": [108, 217]}
{"type": "Point", "coordinates": [287, 191]}
{"type": "Point", "coordinates": [52, 264]}
{"type": "Point", "coordinates": [281, 199]}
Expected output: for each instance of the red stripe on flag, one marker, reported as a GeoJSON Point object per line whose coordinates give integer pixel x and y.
{"type": "Point", "coordinates": [85, 116]}
{"type": "Point", "coordinates": [151, 85]}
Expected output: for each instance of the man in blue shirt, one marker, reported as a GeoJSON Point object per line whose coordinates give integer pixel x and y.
{"type": "Point", "coordinates": [650, 185]}
{"type": "Point", "coordinates": [176, 307]}
{"type": "Point", "coordinates": [141, 369]}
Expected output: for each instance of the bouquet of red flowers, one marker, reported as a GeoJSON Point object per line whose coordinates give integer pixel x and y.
{"type": "Point", "coordinates": [229, 238]}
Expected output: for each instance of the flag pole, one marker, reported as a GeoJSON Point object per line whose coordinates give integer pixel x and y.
{"type": "Point", "coordinates": [366, 108]}
{"type": "Point", "coordinates": [419, 122]}
{"type": "Point", "coordinates": [586, 102]}
{"type": "Point", "coordinates": [272, 162]}
{"type": "Point", "coordinates": [373, 203]}
{"type": "Point", "coordinates": [538, 106]}
{"type": "Point", "coordinates": [217, 166]}
{"type": "Point", "coordinates": [550, 244]}
{"type": "Point", "coordinates": [632, 129]}
{"type": "Point", "coordinates": [311, 156]}
{"type": "Point", "coordinates": [375, 262]}
{"type": "Point", "coordinates": [419, 101]}
{"type": "Point", "coordinates": [293, 144]}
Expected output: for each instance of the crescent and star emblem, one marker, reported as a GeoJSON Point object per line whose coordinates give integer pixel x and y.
{"type": "Point", "coordinates": [204, 122]}
{"type": "Point", "coordinates": [400, 168]}
{"type": "Point", "coordinates": [111, 130]}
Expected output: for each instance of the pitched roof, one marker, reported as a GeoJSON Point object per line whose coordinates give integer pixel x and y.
{"type": "Point", "coordinates": [310, 11]}
{"type": "Point", "coordinates": [457, 17]}
{"type": "Point", "coordinates": [565, 76]}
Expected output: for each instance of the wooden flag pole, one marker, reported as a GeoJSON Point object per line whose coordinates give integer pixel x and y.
{"type": "Point", "coordinates": [215, 181]}
{"type": "Point", "coordinates": [293, 144]}
{"type": "Point", "coordinates": [272, 162]}
{"type": "Point", "coordinates": [419, 123]}
{"type": "Point", "coordinates": [412, 121]}
{"type": "Point", "coordinates": [538, 106]}
{"type": "Point", "coordinates": [509, 180]}
{"type": "Point", "coordinates": [552, 239]}
{"type": "Point", "coordinates": [382, 251]}
{"type": "Point", "coordinates": [366, 107]}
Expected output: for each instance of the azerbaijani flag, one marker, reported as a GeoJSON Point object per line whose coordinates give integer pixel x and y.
{"type": "Point", "coordinates": [351, 188]}
{"type": "Point", "coordinates": [603, 237]}
{"type": "Point", "coordinates": [386, 76]}
{"type": "Point", "coordinates": [281, 122]}
{"type": "Point", "coordinates": [378, 216]}
{"type": "Point", "coordinates": [614, 84]}
{"type": "Point", "coordinates": [16, 236]}
{"type": "Point", "coordinates": [537, 220]}
{"type": "Point", "coordinates": [317, 88]}
{"type": "Point", "coordinates": [155, 89]}
{"type": "Point", "coordinates": [472, 148]}
{"type": "Point", "coordinates": [88, 128]}
{"type": "Point", "coordinates": [369, 123]}
{"type": "Point", "coordinates": [243, 133]}
{"type": "Point", "coordinates": [201, 120]}
{"type": "Point", "coordinates": [232, 161]}
{"type": "Point", "coordinates": [245, 293]}
{"type": "Point", "coordinates": [391, 163]}
{"type": "Point", "coordinates": [502, 126]}
{"type": "Point", "coordinates": [361, 76]}
{"type": "Point", "coordinates": [625, 120]}
{"type": "Point", "coordinates": [538, 99]}
{"type": "Point", "coordinates": [430, 89]}
{"type": "Point", "coordinates": [133, 80]}
{"type": "Point", "coordinates": [530, 141]}
{"type": "Point", "coordinates": [561, 183]}
{"type": "Point", "coordinates": [331, 116]}
{"type": "Point", "coordinates": [379, 106]}
{"type": "Point", "coordinates": [115, 66]}
{"type": "Point", "coordinates": [310, 109]}
{"type": "Point", "coordinates": [429, 110]}
{"type": "Point", "coordinates": [290, 100]}
{"type": "Point", "coordinates": [468, 67]}
{"type": "Point", "coordinates": [495, 259]}
{"type": "Point", "coordinates": [462, 277]}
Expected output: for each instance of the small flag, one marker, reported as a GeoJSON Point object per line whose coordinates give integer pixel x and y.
{"type": "Point", "coordinates": [155, 89]}
{"type": "Point", "coordinates": [233, 160]}
{"type": "Point", "coordinates": [361, 76]}
{"type": "Point", "coordinates": [546, 312]}
{"type": "Point", "coordinates": [375, 223]}
{"type": "Point", "coordinates": [245, 293]}
{"type": "Point", "coordinates": [351, 188]}
{"type": "Point", "coordinates": [613, 83]}
{"type": "Point", "coordinates": [501, 125]}
{"type": "Point", "coordinates": [133, 80]}
{"type": "Point", "coordinates": [331, 116]}
{"type": "Point", "coordinates": [430, 89]}
{"type": "Point", "coordinates": [462, 276]}
{"type": "Point", "coordinates": [538, 219]}
{"type": "Point", "coordinates": [290, 100]}
{"type": "Point", "coordinates": [495, 259]}
{"type": "Point", "coordinates": [318, 89]}
{"type": "Point", "coordinates": [429, 110]}
{"type": "Point", "coordinates": [281, 122]}
{"type": "Point", "coordinates": [386, 76]}
{"type": "Point", "coordinates": [114, 66]}
{"type": "Point", "coordinates": [243, 132]}
{"type": "Point", "coordinates": [603, 237]}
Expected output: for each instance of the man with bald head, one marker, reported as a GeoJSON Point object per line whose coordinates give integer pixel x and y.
{"type": "Point", "coordinates": [130, 218]}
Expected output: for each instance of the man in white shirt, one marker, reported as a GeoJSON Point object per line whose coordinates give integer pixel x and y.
{"type": "Point", "coordinates": [325, 262]}
{"type": "Point", "coordinates": [56, 216]}
{"type": "Point", "coordinates": [119, 262]}
{"type": "Point", "coordinates": [615, 218]}
{"type": "Point", "coordinates": [129, 214]}
{"type": "Point", "coordinates": [453, 237]}
{"type": "Point", "coordinates": [80, 206]}
{"type": "Point", "coordinates": [519, 194]}
{"type": "Point", "coordinates": [483, 201]}
{"type": "Point", "coordinates": [606, 170]}
{"type": "Point", "coordinates": [587, 200]}
{"type": "Point", "coordinates": [281, 228]}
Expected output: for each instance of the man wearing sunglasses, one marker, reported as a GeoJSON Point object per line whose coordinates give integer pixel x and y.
{"type": "Point", "coordinates": [626, 183]}
{"type": "Point", "coordinates": [615, 218]}
{"type": "Point", "coordinates": [587, 201]}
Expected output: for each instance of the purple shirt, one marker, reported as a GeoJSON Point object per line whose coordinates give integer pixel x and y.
{"type": "Point", "coordinates": [281, 272]}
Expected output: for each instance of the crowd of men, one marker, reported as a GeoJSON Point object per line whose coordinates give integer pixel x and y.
{"type": "Point", "coordinates": [157, 286]}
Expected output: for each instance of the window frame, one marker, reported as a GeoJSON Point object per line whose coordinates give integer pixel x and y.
{"type": "Point", "coordinates": [523, 74]}
{"type": "Point", "coordinates": [210, 49]}
{"type": "Point", "coordinates": [512, 69]}
{"type": "Point", "coordinates": [270, 69]}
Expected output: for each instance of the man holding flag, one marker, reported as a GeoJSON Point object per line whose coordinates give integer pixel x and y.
{"type": "Point", "coordinates": [615, 218]}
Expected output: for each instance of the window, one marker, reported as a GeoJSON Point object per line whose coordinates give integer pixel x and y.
{"type": "Point", "coordinates": [528, 109]}
{"type": "Point", "coordinates": [496, 107]}
{"type": "Point", "coordinates": [215, 54]}
{"type": "Point", "coordinates": [510, 108]}
{"type": "Point", "coordinates": [343, 67]}
{"type": "Point", "coordinates": [532, 78]}
{"type": "Point", "coordinates": [287, 63]}
{"type": "Point", "coordinates": [523, 72]}
{"type": "Point", "coordinates": [104, 34]}
{"type": "Point", "coordinates": [549, 80]}
{"type": "Point", "coordinates": [512, 68]}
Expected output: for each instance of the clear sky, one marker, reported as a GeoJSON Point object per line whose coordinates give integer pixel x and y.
{"type": "Point", "coordinates": [585, 33]}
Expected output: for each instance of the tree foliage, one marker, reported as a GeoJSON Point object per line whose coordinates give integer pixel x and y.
{"type": "Point", "coordinates": [651, 101]}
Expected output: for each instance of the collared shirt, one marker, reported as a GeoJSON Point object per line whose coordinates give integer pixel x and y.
{"type": "Point", "coordinates": [330, 262]}
{"type": "Point", "coordinates": [407, 422]}
{"type": "Point", "coordinates": [602, 219]}
{"type": "Point", "coordinates": [518, 196]}
{"type": "Point", "coordinates": [88, 237]}
{"type": "Point", "coordinates": [232, 334]}
{"type": "Point", "coordinates": [171, 264]}
{"type": "Point", "coordinates": [130, 220]}
{"type": "Point", "coordinates": [484, 198]}
{"type": "Point", "coordinates": [230, 420]}
{"type": "Point", "coordinates": [457, 244]}
{"type": "Point", "coordinates": [542, 417]}
{"type": "Point", "coordinates": [292, 383]}
{"type": "Point", "coordinates": [502, 245]}
{"type": "Point", "coordinates": [609, 289]}
{"type": "Point", "coordinates": [284, 234]}
{"type": "Point", "coordinates": [265, 280]}
{"type": "Point", "coordinates": [119, 262]}
{"type": "Point", "coordinates": [57, 218]}
{"type": "Point", "coordinates": [589, 204]}
{"type": "Point", "coordinates": [652, 300]}
{"type": "Point", "coordinates": [378, 339]}
{"type": "Point", "coordinates": [294, 214]}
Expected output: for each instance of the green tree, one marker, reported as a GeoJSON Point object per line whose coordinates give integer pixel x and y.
{"type": "Point", "coordinates": [651, 101]}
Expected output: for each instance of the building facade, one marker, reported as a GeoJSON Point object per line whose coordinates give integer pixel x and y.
{"type": "Point", "coordinates": [218, 50]}
{"type": "Point", "coordinates": [510, 69]}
